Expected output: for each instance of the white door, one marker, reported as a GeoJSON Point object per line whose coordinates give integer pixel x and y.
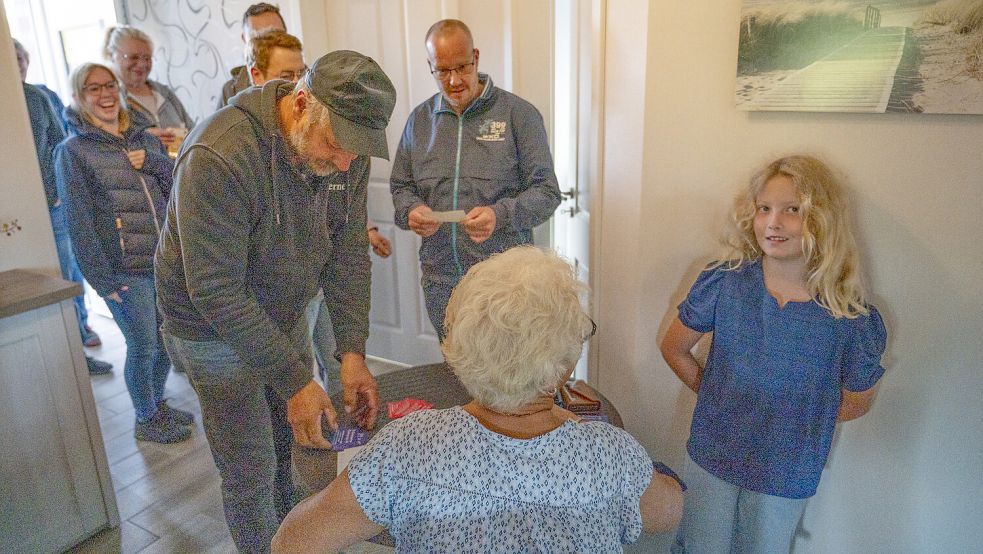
{"type": "Point", "coordinates": [515, 51]}
{"type": "Point", "coordinates": [577, 100]}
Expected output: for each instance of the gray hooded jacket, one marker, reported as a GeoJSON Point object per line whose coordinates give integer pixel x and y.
{"type": "Point", "coordinates": [250, 236]}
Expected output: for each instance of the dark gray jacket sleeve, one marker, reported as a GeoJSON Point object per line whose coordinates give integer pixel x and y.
{"type": "Point", "coordinates": [214, 218]}
{"type": "Point", "coordinates": [347, 278]}
{"type": "Point", "coordinates": [540, 192]}
{"type": "Point", "coordinates": [401, 184]}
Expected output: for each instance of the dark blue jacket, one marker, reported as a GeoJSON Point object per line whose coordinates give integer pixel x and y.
{"type": "Point", "coordinates": [56, 104]}
{"type": "Point", "coordinates": [47, 134]}
{"type": "Point", "coordinates": [114, 211]}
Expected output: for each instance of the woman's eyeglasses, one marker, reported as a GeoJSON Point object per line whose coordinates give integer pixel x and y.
{"type": "Point", "coordinates": [136, 57]}
{"type": "Point", "coordinates": [593, 329]}
{"type": "Point", "coordinates": [95, 88]}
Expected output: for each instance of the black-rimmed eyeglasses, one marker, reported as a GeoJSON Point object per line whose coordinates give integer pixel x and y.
{"type": "Point", "coordinates": [444, 74]}
{"type": "Point", "coordinates": [94, 88]}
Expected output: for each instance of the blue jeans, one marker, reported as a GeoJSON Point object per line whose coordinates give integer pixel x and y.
{"type": "Point", "coordinates": [721, 517]}
{"type": "Point", "coordinates": [147, 363]}
{"type": "Point", "coordinates": [246, 425]}
{"type": "Point", "coordinates": [436, 296]}
{"type": "Point", "coordinates": [66, 258]}
{"type": "Point", "coordinates": [323, 342]}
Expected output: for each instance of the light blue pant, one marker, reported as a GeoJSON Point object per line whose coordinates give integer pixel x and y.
{"type": "Point", "coordinates": [721, 518]}
{"type": "Point", "coordinates": [147, 364]}
{"type": "Point", "coordinates": [323, 342]}
{"type": "Point", "coordinates": [66, 259]}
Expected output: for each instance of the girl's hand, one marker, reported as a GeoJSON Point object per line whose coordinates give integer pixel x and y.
{"type": "Point", "coordinates": [114, 296]}
{"type": "Point", "coordinates": [137, 157]}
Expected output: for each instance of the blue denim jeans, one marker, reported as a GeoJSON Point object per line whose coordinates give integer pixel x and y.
{"type": "Point", "coordinates": [323, 342]}
{"type": "Point", "coordinates": [66, 259]}
{"type": "Point", "coordinates": [721, 517]}
{"type": "Point", "coordinates": [246, 425]}
{"type": "Point", "coordinates": [147, 364]}
{"type": "Point", "coordinates": [436, 296]}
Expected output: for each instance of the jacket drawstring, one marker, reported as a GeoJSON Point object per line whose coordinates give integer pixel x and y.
{"type": "Point", "coordinates": [275, 181]}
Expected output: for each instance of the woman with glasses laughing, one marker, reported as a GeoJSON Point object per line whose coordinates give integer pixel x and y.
{"type": "Point", "coordinates": [115, 179]}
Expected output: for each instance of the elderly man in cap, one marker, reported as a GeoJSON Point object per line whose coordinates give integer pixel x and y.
{"type": "Point", "coordinates": [269, 205]}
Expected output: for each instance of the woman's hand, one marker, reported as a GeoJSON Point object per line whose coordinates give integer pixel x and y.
{"type": "Point", "coordinates": [115, 297]}
{"type": "Point", "coordinates": [166, 136]}
{"type": "Point", "coordinates": [137, 157]}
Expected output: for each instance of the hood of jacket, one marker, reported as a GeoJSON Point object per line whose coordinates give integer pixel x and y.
{"type": "Point", "coordinates": [261, 109]}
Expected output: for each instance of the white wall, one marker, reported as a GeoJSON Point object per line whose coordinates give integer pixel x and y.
{"type": "Point", "coordinates": [21, 192]}
{"type": "Point", "coordinates": [196, 44]}
{"type": "Point", "coordinates": [906, 477]}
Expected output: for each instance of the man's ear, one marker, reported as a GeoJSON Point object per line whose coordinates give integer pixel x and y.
{"type": "Point", "coordinates": [476, 58]}
{"type": "Point", "coordinates": [300, 103]}
{"type": "Point", "coordinates": [256, 77]}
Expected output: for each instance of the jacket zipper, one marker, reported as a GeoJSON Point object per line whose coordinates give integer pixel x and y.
{"type": "Point", "coordinates": [150, 202]}
{"type": "Point", "coordinates": [457, 177]}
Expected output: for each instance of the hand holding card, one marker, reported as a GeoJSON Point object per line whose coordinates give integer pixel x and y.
{"type": "Point", "coordinates": [347, 437]}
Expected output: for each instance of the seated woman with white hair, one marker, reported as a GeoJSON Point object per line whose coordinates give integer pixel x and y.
{"type": "Point", "coordinates": [510, 471]}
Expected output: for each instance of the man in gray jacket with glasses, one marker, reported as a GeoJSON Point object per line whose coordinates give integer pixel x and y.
{"type": "Point", "coordinates": [471, 148]}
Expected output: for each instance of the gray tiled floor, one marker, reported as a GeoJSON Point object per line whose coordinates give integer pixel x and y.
{"type": "Point", "coordinates": [168, 495]}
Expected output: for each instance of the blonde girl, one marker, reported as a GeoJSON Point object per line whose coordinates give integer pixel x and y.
{"type": "Point", "coordinates": [796, 348]}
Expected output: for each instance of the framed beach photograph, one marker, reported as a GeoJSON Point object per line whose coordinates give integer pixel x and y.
{"type": "Point", "coordinates": [922, 56]}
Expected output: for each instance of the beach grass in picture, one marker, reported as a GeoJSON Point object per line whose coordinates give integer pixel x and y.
{"type": "Point", "coordinates": [856, 56]}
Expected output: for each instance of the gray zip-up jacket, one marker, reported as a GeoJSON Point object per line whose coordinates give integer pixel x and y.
{"type": "Point", "coordinates": [170, 112]}
{"type": "Point", "coordinates": [495, 154]}
{"type": "Point", "coordinates": [250, 236]}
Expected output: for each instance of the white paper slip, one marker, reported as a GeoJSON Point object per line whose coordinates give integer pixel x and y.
{"type": "Point", "coordinates": [448, 217]}
{"type": "Point", "coordinates": [346, 456]}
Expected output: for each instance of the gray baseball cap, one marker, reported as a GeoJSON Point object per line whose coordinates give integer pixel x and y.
{"type": "Point", "coordinates": [360, 98]}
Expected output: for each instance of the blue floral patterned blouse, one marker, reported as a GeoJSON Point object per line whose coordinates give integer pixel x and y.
{"type": "Point", "coordinates": [441, 482]}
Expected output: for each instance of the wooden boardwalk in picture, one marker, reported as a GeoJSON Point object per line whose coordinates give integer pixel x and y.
{"type": "Point", "coordinates": [858, 77]}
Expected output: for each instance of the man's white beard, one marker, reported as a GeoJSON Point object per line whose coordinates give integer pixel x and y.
{"type": "Point", "coordinates": [300, 144]}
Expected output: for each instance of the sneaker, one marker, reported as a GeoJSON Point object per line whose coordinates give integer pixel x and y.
{"type": "Point", "coordinates": [161, 429]}
{"type": "Point", "coordinates": [181, 417]}
{"type": "Point", "coordinates": [90, 338]}
{"type": "Point", "coordinates": [98, 367]}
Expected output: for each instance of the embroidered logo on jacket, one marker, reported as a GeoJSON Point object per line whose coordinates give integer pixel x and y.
{"type": "Point", "coordinates": [491, 130]}
{"type": "Point", "coordinates": [336, 186]}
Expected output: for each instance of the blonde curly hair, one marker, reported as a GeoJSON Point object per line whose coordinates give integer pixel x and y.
{"type": "Point", "coordinates": [832, 260]}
